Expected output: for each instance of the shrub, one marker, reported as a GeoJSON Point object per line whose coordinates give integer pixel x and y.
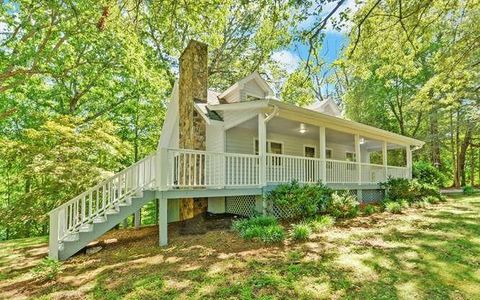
{"type": "Point", "coordinates": [425, 172]}
{"type": "Point", "coordinates": [370, 209]}
{"type": "Point", "coordinates": [420, 204]}
{"type": "Point", "coordinates": [393, 207]}
{"type": "Point", "coordinates": [342, 205]}
{"type": "Point", "coordinates": [404, 203]}
{"type": "Point", "coordinates": [47, 269]}
{"type": "Point", "coordinates": [263, 228]}
{"type": "Point", "coordinates": [431, 200]}
{"type": "Point", "coordinates": [272, 234]}
{"type": "Point", "coordinates": [468, 190]}
{"type": "Point", "coordinates": [305, 200]}
{"type": "Point", "coordinates": [398, 189]}
{"type": "Point", "coordinates": [321, 223]}
{"type": "Point", "coordinates": [301, 232]}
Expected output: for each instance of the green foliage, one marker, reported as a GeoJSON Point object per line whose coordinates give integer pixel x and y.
{"type": "Point", "coordinates": [426, 173]}
{"type": "Point", "coordinates": [52, 164]}
{"type": "Point", "coordinates": [431, 199]}
{"type": "Point", "coordinates": [398, 189]}
{"type": "Point", "coordinates": [301, 231]}
{"type": "Point", "coordinates": [393, 207]}
{"type": "Point", "coordinates": [47, 269]}
{"type": "Point", "coordinates": [321, 223]}
{"type": "Point", "coordinates": [370, 209]}
{"type": "Point", "coordinates": [263, 228]}
{"type": "Point", "coordinates": [342, 205]}
{"type": "Point", "coordinates": [468, 190]}
{"type": "Point", "coordinates": [305, 200]}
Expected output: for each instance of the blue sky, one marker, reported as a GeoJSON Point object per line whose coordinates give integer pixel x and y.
{"type": "Point", "coordinates": [332, 45]}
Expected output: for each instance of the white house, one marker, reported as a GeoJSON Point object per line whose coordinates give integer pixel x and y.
{"type": "Point", "coordinates": [221, 151]}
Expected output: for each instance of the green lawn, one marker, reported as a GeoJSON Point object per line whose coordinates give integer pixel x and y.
{"type": "Point", "coordinates": [431, 253]}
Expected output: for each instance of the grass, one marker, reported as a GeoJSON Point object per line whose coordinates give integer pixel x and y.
{"type": "Point", "coordinates": [424, 253]}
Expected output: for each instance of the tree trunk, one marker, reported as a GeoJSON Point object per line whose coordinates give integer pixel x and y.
{"type": "Point", "coordinates": [472, 166]}
{"type": "Point", "coordinates": [434, 139]}
{"type": "Point", "coordinates": [456, 181]}
{"type": "Point", "coordinates": [463, 154]}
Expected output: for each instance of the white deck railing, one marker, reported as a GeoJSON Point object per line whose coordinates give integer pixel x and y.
{"type": "Point", "coordinates": [83, 209]}
{"type": "Point", "coordinates": [195, 169]}
{"type": "Point", "coordinates": [200, 169]}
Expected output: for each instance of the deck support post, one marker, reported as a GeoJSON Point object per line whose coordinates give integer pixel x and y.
{"type": "Point", "coordinates": [262, 148]}
{"type": "Point", "coordinates": [138, 218]}
{"type": "Point", "coordinates": [323, 150]}
{"type": "Point", "coordinates": [409, 161]}
{"type": "Point", "coordinates": [162, 220]}
{"type": "Point", "coordinates": [358, 158]}
{"type": "Point", "coordinates": [53, 236]}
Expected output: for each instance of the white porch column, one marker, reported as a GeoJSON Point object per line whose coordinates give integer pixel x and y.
{"type": "Point", "coordinates": [323, 150]}
{"type": "Point", "coordinates": [262, 148]}
{"type": "Point", "coordinates": [358, 158]}
{"type": "Point", "coordinates": [385, 158]}
{"type": "Point", "coordinates": [409, 162]}
{"type": "Point", "coordinates": [162, 220]}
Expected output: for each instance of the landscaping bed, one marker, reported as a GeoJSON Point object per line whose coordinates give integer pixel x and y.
{"type": "Point", "coordinates": [428, 252]}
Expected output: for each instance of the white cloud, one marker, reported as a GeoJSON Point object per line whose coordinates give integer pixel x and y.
{"type": "Point", "coordinates": [287, 59]}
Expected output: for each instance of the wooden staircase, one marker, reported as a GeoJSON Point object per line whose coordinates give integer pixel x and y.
{"type": "Point", "coordinates": [83, 219]}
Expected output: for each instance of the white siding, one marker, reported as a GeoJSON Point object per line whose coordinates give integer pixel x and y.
{"type": "Point", "coordinates": [253, 89]}
{"type": "Point", "coordinates": [240, 140]}
{"type": "Point", "coordinates": [215, 140]}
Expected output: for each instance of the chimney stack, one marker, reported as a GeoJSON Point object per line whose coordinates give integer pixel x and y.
{"type": "Point", "coordinates": [192, 87]}
{"type": "Point", "coordinates": [192, 128]}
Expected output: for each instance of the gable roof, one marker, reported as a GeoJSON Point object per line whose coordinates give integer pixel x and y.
{"type": "Point", "coordinates": [240, 84]}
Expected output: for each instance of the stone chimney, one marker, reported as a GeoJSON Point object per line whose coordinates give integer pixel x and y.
{"type": "Point", "coordinates": [192, 87]}
{"type": "Point", "coordinates": [192, 128]}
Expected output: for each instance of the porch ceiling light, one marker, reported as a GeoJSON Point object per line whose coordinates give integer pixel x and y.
{"type": "Point", "coordinates": [302, 129]}
{"type": "Point", "coordinates": [362, 141]}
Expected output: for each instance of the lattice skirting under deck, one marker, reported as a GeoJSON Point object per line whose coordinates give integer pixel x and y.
{"type": "Point", "coordinates": [240, 205]}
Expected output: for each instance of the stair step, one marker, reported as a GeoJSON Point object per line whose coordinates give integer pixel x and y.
{"type": "Point", "coordinates": [99, 219]}
{"type": "Point", "coordinates": [112, 211]}
{"type": "Point", "coordinates": [126, 202]}
{"type": "Point", "coordinates": [86, 228]}
{"type": "Point", "coordinates": [72, 237]}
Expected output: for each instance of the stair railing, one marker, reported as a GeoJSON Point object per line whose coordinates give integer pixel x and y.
{"type": "Point", "coordinates": [69, 217]}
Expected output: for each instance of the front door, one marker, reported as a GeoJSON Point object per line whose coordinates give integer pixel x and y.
{"type": "Point", "coordinates": [310, 170]}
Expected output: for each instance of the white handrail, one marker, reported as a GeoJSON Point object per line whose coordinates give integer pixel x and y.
{"type": "Point", "coordinates": [94, 202]}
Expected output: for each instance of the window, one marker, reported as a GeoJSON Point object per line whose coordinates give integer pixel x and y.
{"type": "Point", "coordinates": [309, 151]}
{"type": "Point", "coordinates": [350, 156]}
{"type": "Point", "coordinates": [328, 153]}
{"type": "Point", "coordinates": [272, 147]}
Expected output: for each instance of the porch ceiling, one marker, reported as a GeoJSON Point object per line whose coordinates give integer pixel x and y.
{"type": "Point", "coordinates": [284, 126]}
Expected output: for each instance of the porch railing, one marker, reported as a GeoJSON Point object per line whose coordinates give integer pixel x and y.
{"type": "Point", "coordinates": [200, 169]}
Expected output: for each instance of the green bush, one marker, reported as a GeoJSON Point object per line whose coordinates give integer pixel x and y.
{"type": "Point", "coordinates": [393, 207]}
{"type": "Point", "coordinates": [47, 269]}
{"type": "Point", "coordinates": [263, 228]}
{"type": "Point", "coordinates": [305, 200]}
{"type": "Point", "coordinates": [272, 234]}
{"type": "Point", "coordinates": [468, 190]}
{"type": "Point", "coordinates": [370, 209]}
{"type": "Point", "coordinates": [411, 190]}
{"type": "Point", "coordinates": [321, 223]}
{"type": "Point", "coordinates": [342, 205]}
{"type": "Point", "coordinates": [301, 232]}
{"type": "Point", "coordinates": [404, 203]}
{"type": "Point", "coordinates": [431, 200]}
{"type": "Point", "coordinates": [420, 204]}
{"type": "Point", "coordinates": [425, 172]}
